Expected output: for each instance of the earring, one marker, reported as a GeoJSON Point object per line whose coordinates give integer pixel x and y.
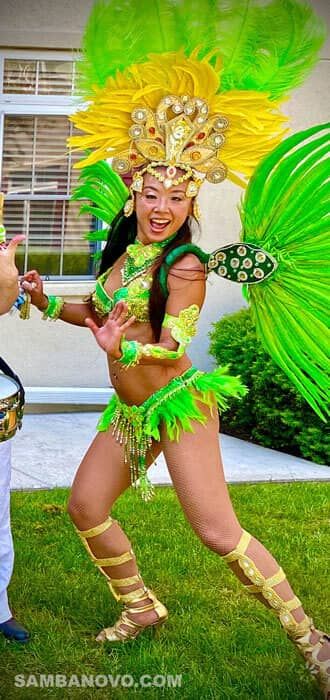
{"type": "Point", "coordinates": [129, 207]}
{"type": "Point", "coordinates": [196, 211]}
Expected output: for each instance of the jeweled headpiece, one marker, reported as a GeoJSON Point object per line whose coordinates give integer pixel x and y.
{"type": "Point", "coordinates": [180, 133]}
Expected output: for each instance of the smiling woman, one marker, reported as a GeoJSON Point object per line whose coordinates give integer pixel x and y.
{"type": "Point", "coordinates": [167, 125]}
{"type": "Point", "coordinates": [161, 212]}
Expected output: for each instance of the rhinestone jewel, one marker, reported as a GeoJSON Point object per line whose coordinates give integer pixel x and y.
{"type": "Point", "coordinates": [258, 273]}
{"type": "Point", "coordinates": [221, 123]}
{"type": "Point", "coordinates": [218, 140]}
{"type": "Point", "coordinates": [216, 175]}
{"type": "Point", "coordinates": [139, 115]}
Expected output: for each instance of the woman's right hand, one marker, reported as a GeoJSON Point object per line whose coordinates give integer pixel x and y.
{"type": "Point", "coordinates": [33, 284]}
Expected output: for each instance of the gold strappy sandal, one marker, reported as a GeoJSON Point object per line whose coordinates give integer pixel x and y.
{"type": "Point", "coordinates": [298, 632]}
{"type": "Point", "coordinates": [125, 628]}
{"type": "Point", "coordinates": [309, 650]}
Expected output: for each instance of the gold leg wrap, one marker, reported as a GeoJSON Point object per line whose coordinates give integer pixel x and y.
{"type": "Point", "coordinates": [299, 632]}
{"type": "Point", "coordinates": [264, 586]}
{"type": "Point", "coordinates": [125, 628]}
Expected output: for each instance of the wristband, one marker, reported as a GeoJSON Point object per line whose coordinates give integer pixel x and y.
{"type": "Point", "coordinates": [53, 309]}
{"type": "Point", "coordinates": [131, 352]}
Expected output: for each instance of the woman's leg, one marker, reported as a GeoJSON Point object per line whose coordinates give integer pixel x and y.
{"type": "Point", "coordinates": [100, 479]}
{"type": "Point", "coordinates": [196, 469]}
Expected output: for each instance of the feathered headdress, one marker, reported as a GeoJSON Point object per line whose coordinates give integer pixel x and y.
{"type": "Point", "coordinates": [191, 85]}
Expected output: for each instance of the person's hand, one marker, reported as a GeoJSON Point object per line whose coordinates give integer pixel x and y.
{"type": "Point", "coordinates": [109, 336]}
{"type": "Point", "coordinates": [33, 284]}
{"type": "Point", "coordinates": [8, 269]}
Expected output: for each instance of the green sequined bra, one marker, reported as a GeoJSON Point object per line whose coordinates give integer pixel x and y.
{"type": "Point", "coordinates": [135, 295]}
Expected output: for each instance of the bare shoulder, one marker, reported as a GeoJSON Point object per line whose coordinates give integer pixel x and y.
{"type": "Point", "coordinates": [188, 272]}
{"type": "Point", "coordinates": [189, 267]}
{"type": "Point", "coordinates": [189, 261]}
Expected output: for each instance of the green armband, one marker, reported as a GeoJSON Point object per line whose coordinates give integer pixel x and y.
{"type": "Point", "coordinates": [183, 328]}
{"type": "Point", "coordinates": [54, 308]}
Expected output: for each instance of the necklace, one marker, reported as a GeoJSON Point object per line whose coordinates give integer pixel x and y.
{"type": "Point", "coordinates": [139, 258]}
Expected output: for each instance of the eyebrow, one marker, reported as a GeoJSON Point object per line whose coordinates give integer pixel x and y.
{"type": "Point", "coordinates": [151, 187]}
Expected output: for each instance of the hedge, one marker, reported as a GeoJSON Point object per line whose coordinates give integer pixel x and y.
{"type": "Point", "coordinates": [273, 413]}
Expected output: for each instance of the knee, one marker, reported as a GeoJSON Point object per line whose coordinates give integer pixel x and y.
{"type": "Point", "coordinates": [220, 539]}
{"type": "Point", "coordinates": [83, 513]}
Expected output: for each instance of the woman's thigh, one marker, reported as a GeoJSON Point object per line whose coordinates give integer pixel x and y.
{"type": "Point", "coordinates": [102, 477]}
{"type": "Point", "coordinates": [196, 469]}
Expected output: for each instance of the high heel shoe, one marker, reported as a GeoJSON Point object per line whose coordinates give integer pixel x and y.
{"type": "Point", "coordinates": [126, 629]}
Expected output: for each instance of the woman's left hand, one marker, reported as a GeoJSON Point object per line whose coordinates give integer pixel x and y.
{"type": "Point", "coordinates": [110, 335]}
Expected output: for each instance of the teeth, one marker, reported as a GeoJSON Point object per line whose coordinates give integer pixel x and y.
{"type": "Point", "coordinates": [160, 221]}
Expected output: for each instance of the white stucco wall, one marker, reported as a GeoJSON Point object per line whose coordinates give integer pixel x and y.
{"type": "Point", "coordinates": [50, 354]}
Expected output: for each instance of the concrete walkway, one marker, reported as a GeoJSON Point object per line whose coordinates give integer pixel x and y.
{"type": "Point", "coordinates": [48, 449]}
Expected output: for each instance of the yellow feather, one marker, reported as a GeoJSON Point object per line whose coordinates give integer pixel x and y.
{"type": "Point", "coordinates": [255, 123]}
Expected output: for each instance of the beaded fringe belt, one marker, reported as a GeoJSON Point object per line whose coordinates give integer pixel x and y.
{"type": "Point", "coordinates": [176, 405]}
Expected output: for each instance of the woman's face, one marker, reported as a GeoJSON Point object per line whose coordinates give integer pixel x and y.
{"type": "Point", "coordinates": [160, 212]}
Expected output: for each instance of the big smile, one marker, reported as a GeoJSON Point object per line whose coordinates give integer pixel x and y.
{"type": "Point", "coordinates": [159, 225]}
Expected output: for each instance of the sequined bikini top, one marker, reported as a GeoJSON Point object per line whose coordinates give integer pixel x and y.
{"type": "Point", "coordinates": [135, 295]}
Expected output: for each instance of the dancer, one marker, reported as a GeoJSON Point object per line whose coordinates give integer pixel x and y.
{"type": "Point", "coordinates": [164, 122]}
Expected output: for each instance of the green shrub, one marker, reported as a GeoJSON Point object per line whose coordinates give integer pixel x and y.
{"type": "Point", "coordinates": [273, 413]}
{"type": "Point", "coordinates": [48, 263]}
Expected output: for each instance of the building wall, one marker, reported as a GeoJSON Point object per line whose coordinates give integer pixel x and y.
{"type": "Point", "coordinates": [56, 354]}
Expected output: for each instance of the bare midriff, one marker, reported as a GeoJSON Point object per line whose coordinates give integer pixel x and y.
{"type": "Point", "coordinates": [135, 384]}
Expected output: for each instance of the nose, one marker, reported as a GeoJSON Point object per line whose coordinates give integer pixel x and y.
{"type": "Point", "coordinates": [162, 204]}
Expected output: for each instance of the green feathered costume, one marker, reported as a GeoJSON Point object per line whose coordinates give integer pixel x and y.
{"type": "Point", "coordinates": [255, 48]}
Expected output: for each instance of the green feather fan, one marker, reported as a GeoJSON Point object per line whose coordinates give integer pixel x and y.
{"type": "Point", "coordinates": [105, 193]}
{"type": "Point", "coordinates": [286, 211]}
{"type": "Point", "coordinates": [264, 46]}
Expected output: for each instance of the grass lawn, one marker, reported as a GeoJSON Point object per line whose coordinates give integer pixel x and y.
{"type": "Point", "coordinates": [223, 642]}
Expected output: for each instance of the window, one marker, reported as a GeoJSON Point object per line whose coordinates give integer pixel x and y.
{"type": "Point", "coordinates": [36, 174]}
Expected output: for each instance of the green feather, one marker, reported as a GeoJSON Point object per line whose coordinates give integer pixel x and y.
{"type": "Point", "coordinates": [286, 211]}
{"type": "Point", "coordinates": [105, 193]}
{"type": "Point", "coordinates": [272, 48]}
{"type": "Point", "coordinates": [120, 34]}
{"type": "Point", "coordinates": [264, 46]}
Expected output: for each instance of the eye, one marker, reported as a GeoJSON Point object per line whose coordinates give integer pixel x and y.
{"type": "Point", "coordinates": [150, 196]}
{"type": "Point", "coordinates": [177, 199]}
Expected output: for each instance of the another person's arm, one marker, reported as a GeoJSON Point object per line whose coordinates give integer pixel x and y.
{"type": "Point", "coordinates": [9, 289]}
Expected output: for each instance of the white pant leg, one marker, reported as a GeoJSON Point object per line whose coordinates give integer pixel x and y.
{"type": "Point", "coordinates": [6, 541]}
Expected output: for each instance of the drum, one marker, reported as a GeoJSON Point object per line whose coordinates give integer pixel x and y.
{"type": "Point", "coordinates": [11, 408]}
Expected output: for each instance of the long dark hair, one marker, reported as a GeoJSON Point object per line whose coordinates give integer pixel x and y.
{"type": "Point", "coordinates": [123, 232]}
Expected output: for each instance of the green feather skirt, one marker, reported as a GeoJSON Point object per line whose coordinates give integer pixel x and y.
{"type": "Point", "coordinates": [177, 405]}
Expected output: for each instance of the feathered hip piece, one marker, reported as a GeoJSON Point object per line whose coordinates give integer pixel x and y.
{"type": "Point", "coordinates": [177, 405]}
